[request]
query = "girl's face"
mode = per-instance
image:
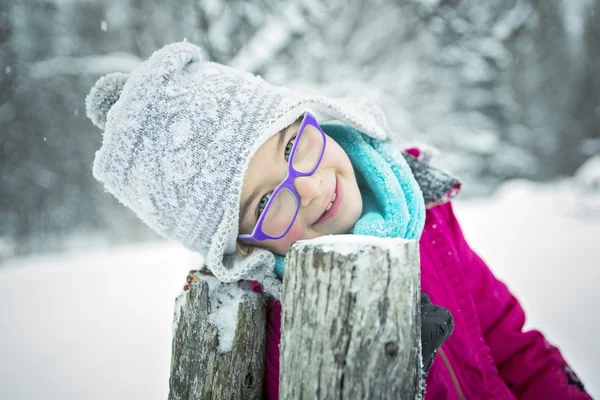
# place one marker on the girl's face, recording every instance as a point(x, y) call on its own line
point(268, 168)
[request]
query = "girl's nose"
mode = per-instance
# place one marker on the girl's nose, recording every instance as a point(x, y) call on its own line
point(308, 188)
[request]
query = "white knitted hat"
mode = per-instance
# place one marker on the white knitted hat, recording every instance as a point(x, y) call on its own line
point(178, 135)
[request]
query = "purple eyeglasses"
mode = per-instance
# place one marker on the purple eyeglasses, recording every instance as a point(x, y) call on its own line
point(281, 210)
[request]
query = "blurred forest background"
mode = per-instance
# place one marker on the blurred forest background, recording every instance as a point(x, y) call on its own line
point(504, 88)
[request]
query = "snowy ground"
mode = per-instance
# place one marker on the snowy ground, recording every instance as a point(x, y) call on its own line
point(97, 324)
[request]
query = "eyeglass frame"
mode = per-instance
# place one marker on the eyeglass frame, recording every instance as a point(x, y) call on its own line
point(257, 234)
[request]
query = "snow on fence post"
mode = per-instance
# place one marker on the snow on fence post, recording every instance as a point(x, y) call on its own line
point(218, 353)
point(351, 320)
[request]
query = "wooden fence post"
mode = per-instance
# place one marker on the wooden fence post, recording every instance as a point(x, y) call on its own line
point(202, 371)
point(351, 320)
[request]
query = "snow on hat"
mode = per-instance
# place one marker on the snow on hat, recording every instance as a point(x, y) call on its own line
point(179, 133)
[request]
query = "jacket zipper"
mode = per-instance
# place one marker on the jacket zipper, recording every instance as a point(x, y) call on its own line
point(452, 374)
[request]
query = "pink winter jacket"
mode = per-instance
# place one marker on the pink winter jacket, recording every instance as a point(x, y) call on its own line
point(488, 356)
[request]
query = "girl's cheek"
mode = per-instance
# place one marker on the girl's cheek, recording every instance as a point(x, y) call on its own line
point(282, 245)
point(296, 233)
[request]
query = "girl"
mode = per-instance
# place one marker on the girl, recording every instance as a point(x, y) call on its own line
point(238, 169)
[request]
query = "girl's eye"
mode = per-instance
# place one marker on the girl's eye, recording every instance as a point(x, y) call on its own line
point(265, 199)
point(262, 204)
point(289, 147)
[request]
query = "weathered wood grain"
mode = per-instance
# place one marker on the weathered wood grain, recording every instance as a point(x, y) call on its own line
point(199, 370)
point(351, 320)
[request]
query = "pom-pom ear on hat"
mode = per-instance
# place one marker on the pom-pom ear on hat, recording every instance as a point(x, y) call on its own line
point(172, 59)
point(103, 95)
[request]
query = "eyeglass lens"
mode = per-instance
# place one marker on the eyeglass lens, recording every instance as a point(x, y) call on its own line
point(283, 207)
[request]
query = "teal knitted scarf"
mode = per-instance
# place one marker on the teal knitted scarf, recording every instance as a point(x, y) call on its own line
point(393, 204)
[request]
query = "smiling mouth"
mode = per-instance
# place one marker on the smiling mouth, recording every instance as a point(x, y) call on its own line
point(332, 200)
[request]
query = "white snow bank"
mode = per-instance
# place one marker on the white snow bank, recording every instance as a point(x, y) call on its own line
point(90, 325)
point(584, 198)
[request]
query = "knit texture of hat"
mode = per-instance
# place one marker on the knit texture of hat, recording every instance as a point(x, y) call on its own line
point(179, 133)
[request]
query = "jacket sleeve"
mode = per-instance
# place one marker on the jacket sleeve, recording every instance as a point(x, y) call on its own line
point(530, 366)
